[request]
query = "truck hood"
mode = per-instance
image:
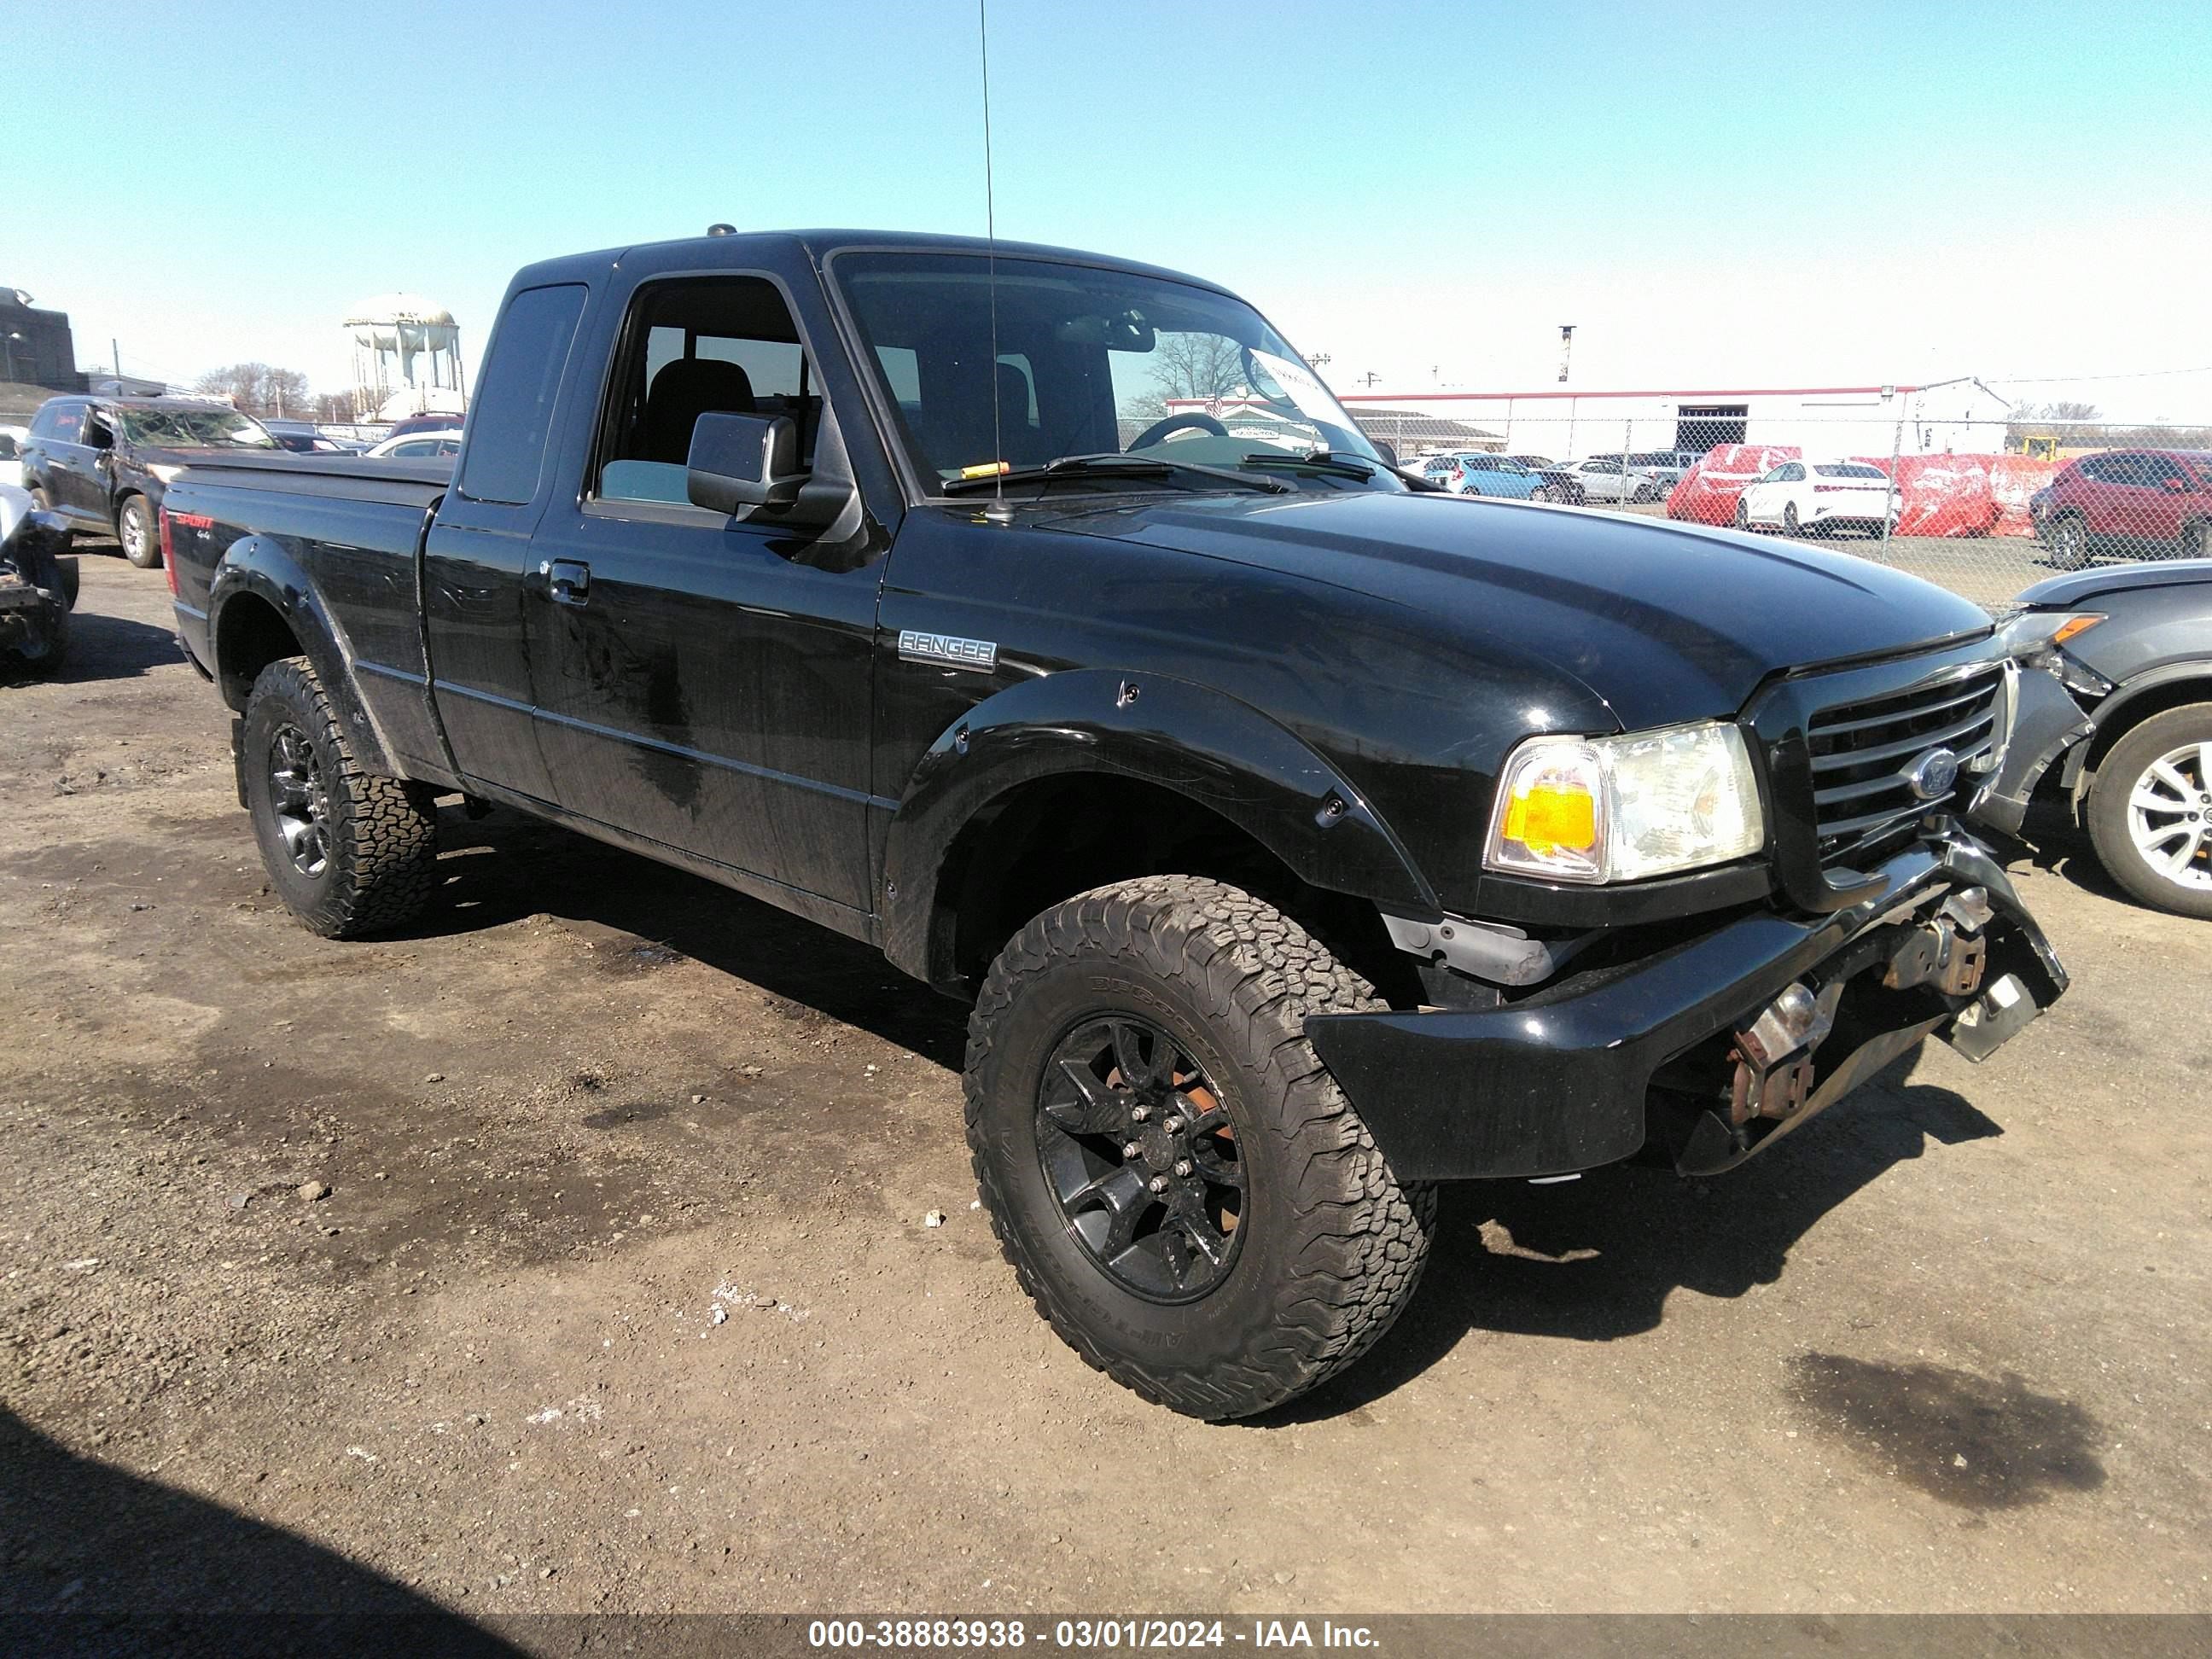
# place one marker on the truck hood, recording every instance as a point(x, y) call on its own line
point(1663, 622)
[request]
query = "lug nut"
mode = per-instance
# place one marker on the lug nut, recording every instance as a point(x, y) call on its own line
point(1182, 1166)
point(1176, 1126)
point(1132, 1149)
point(1142, 1114)
point(1159, 1183)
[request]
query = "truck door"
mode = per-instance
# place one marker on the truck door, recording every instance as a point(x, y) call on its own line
point(478, 546)
point(699, 684)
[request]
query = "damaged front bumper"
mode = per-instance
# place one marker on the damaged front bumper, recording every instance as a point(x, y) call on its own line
point(1719, 1045)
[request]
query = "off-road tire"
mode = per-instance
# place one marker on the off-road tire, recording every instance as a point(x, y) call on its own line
point(2117, 776)
point(139, 532)
point(382, 841)
point(1336, 1243)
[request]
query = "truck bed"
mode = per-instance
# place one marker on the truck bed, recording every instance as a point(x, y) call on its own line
point(343, 530)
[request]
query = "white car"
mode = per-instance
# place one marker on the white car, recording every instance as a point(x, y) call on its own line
point(1815, 497)
point(419, 447)
point(1603, 480)
point(11, 454)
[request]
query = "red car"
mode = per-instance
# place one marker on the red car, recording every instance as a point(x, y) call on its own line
point(2134, 504)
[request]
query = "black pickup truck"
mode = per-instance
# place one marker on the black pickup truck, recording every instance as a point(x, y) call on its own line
point(1301, 839)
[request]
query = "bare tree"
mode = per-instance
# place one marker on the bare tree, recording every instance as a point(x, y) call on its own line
point(1189, 366)
point(334, 408)
point(260, 388)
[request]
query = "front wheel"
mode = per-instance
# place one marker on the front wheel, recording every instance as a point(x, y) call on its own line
point(136, 530)
point(1179, 1186)
point(348, 852)
point(2151, 811)
point(1742, 514)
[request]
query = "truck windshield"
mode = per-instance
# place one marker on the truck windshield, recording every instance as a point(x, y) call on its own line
point(195, 429)
point(1089, 362)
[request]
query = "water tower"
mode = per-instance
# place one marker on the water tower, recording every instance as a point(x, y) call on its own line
point(406, 358)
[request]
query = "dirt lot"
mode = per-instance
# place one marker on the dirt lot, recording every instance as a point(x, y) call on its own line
point(621, 1295)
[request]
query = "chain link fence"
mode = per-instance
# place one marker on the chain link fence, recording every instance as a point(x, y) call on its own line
point(1983, 487)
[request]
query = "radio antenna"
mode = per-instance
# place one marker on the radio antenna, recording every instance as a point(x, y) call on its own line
point(998, 512)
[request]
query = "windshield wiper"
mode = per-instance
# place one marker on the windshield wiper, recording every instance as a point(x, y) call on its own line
point(1319, 460)
point(1113, 465)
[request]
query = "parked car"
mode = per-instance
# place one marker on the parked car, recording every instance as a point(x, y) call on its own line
point(2134, 504)
point(418, 445)
point(436, 421)
point(1602, 479)
point(1483, 474)
point(1559, 482)
point(37, 586)
point(1667, 465)
point(1299, 839)
point(11, 454)
point(1816, 497)
point(2112, 721)
point(103, 464)
point(301, 438)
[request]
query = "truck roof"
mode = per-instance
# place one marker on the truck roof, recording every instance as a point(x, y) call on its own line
point(748, 248)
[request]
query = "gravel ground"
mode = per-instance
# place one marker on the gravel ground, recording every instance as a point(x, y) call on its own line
point(620, 1295)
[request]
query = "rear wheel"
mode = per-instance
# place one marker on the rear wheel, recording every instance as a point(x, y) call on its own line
point(2069, 542)
point(1788, 517)
point(1179, 1186)
point(2151, 811)
point(350, 853)
point(1646, 493)
point(1539, 494)
point(136, 530)
point(2197, 540)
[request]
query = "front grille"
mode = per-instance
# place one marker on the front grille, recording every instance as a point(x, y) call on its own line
point(1864, 753)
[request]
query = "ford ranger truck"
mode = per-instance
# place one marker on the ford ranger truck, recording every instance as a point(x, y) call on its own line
point(1301, 837)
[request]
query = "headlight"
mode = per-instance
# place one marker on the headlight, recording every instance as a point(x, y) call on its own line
point(1622, 809)
point(166, 472)
point(2034, 637)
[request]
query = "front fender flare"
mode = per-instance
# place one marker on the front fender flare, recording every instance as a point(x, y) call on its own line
point(1218, 752)
point(262, 567)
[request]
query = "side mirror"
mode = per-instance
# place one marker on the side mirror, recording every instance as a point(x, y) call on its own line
point(738, 461)
point(2175, 486)
point(1387, 451)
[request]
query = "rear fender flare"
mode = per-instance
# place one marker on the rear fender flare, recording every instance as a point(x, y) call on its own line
point(260, 566)
point(1201, 743)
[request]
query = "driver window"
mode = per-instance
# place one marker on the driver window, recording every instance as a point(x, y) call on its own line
point(97, 433)
point(719, 344)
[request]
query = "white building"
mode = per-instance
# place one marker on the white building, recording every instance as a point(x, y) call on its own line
point(1961, 417)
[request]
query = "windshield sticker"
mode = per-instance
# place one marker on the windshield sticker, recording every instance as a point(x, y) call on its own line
point(1302, 386)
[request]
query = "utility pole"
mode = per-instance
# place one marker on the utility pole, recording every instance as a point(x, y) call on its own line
point(1567, 349)
point(1369, 378)
point(116, 351)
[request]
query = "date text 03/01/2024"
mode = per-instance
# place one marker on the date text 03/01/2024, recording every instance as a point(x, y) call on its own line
point(1084, 1634)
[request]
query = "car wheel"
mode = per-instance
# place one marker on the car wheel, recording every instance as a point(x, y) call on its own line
point(2151, 811)
point(2196, 541)
point(2069, 542)
point(350, 853)
point(1539, 494)
point(1742, 514)
point(1788, 517)
point(135, 528)
point(1181, 1189)
point(1645, 493)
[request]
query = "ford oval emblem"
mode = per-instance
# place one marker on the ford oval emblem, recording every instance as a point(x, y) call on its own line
point(1935, 776)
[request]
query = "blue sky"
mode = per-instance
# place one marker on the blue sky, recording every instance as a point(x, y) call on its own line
point(1714, 194)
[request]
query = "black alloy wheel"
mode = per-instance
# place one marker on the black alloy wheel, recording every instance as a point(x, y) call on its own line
point(1139, 1152)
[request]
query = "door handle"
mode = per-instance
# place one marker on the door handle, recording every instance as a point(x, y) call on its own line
point(567, 581)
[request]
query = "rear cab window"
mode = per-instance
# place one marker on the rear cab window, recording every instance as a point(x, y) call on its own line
point(515, 394)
